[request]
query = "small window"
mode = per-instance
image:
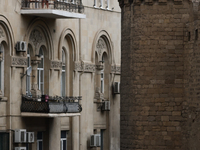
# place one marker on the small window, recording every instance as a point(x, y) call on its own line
point(102, 131)
point(39, 141)
point(189, 36)
point(95, 3)
point(196, 34)
point(106, 4)
point(63, 140)
point(100, 3)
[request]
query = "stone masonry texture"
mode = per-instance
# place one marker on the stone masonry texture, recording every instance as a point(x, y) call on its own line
point(160, 79)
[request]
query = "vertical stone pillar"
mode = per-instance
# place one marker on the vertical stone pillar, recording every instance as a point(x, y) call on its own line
point(75, 133)
point(98, 94)
point(34, 86)
point(54, 133)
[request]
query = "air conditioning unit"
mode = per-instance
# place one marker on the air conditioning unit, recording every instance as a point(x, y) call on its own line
point(95, 140)
point(105, 106)
point(116, 87)
point(20, 136)
point(21, 46)
point(30, 137)
point(20, 148)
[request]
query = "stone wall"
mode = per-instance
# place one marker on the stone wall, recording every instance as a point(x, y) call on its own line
point(160, 75)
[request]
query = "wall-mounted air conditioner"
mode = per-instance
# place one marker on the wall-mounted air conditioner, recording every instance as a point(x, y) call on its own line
point(30, 137)
point(105, 106)
point(95, 140)
point(20, 136)
point(21, 46)
point(20, 148)
point(116, 87)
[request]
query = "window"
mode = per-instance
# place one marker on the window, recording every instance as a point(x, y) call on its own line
point(4, 141)
point(28, 78)
point(196, 34)
point(189, 36)
point(106, 4)
point(102, 77)
point(40, 74)
point(63, 140)
point(101, 3)
point(102, 131)
point(63, 76)
point(39, 141)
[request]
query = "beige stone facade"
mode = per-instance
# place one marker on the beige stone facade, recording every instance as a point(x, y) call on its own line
point(64, 49)
point(160, 75)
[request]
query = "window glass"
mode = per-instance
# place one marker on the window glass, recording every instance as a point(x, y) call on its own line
point(63, 76)
point(39, 141)
point(4, 141)
point(102, 78)
point(63, 140)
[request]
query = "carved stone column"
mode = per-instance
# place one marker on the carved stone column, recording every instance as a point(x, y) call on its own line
point(98, 94)
point(34, 86)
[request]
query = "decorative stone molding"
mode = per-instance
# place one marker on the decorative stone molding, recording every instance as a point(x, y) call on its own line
point(19, 61)
point(99, 67)
point(101, 45)
point(116, 69)
point(36, 37)
point(56, 64)
point(2, 34)
point(89, 67)
point(84, 67)
point(98, 95)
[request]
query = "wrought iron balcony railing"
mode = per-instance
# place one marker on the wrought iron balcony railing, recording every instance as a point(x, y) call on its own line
point(71, 6)
point(51, 105)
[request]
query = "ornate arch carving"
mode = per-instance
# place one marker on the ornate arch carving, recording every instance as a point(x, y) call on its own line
point(38, 34)
point(102, 43)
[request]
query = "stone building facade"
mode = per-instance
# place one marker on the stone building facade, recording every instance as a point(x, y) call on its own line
point(58, 63)
point(160, 75)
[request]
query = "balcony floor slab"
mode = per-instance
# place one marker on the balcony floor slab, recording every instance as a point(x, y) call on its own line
point(52, 13)
point(49, 115)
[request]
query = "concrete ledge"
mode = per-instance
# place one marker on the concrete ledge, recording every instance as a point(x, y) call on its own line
point(49, 115)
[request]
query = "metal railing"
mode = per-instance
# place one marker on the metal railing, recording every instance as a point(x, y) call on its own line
point(66, 5)
point(54, 104)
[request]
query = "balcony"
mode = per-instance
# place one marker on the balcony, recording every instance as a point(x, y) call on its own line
point(50, 107)
point(53, 8)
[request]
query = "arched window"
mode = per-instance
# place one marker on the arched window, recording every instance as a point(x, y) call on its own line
point(1, 69)
point(40, 73)
point(63, 76)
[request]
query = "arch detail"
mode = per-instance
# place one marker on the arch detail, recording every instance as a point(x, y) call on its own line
point(69, 36)
point(102, 44)
point(37, 35)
